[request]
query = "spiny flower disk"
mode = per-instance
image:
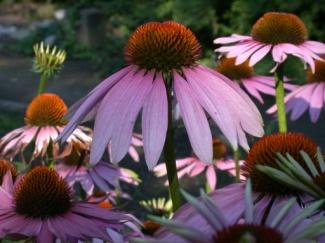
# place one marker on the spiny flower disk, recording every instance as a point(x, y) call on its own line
point(263, 152)
point(162, 46)
point(6, 166)
point(319, 75)
point(248, 233)
point(219, 149)
point(46, 110)
point(42, 193)
point(227, 67)
point(276, 28)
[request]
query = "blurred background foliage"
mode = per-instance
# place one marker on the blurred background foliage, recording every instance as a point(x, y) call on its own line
point(108, 24)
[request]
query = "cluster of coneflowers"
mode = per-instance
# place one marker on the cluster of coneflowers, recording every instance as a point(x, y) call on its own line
point(60, 180)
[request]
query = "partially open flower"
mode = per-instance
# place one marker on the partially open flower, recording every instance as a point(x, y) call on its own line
point(192, 166)
point(161, 57)
point(205, 221)
point(310, 96)
point(158, 206)
point(244, 75)
point(282, 34)
point(48, 61)
point(40, 205)
point(43, 123)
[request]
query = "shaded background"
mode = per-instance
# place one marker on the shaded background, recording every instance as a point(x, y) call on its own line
point(94, 34)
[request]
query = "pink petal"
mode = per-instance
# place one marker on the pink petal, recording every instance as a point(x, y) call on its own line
point(126, 115)
point(194, 119)
point(250, 87)
point(316, 102)
point(134, 153)
point(86, 104)
point(257, 56)
point(315, 46)
point(211, 177)
point(104, 122)
point(231, 39)
point(245, 55)
point(154, 122)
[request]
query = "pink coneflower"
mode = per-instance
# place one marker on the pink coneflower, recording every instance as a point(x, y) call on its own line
point(282, 34)
point(43, 121)
point(159, 56)
point(76, 168)
point(244, 75)
point(192, 166)
point(310, 95)
point(40, 205)
point(267, 193)
point(284, 224)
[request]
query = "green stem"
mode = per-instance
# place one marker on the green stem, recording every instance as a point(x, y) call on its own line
point(237, 165)
point(42, 83)
point(279, 99)
point(169, 155)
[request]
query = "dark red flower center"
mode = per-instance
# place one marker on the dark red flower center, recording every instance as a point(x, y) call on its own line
point(248, 233)
point(263, 152)
point(319, 75)
point(219, 149)
point(6, 166)
point(46, 110)
point(276, 28)
point(162, 46)
point(42, 193)
point(227, 67)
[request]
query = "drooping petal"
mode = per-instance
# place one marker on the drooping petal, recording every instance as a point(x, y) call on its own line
point(316, 102)
point(86, 104)
point(154, 122)
point(105, 120)
point(128, 110)
point(194, 119)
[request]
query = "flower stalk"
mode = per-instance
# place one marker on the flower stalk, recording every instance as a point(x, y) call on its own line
point(169, 154)
point(279, 99)
point(237, 165)
point(42, 83)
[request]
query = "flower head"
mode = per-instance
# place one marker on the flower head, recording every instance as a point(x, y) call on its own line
point(264, 152)
point(43, 123)
point(283, 224)
point(310, 95)
point(162, 57)
point(276, 28)
point(162, 46)
point(48, 60)
point(41, 205)
point(282, 34)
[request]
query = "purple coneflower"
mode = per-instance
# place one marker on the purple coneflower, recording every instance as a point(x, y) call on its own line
point(40, 206)
point(244, 75)
point(310, 95)
point(267, 193)
point(43, 121)
point(284, 224)
point(164, 56)
point(76, 168)
point(192, 166)
point(282, 34)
